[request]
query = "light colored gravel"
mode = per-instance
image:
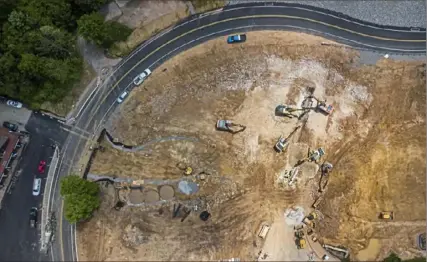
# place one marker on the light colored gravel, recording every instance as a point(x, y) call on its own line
point(395, 13)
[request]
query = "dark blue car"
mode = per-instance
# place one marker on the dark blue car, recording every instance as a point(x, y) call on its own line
point(236, 39)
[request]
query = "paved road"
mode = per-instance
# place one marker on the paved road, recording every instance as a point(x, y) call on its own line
point(201, 28)
point(19, 242)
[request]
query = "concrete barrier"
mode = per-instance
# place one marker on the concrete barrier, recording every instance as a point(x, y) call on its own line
point(45, 238)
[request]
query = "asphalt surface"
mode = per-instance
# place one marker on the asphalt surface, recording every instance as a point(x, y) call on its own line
point(19, 242)
point(198, 29)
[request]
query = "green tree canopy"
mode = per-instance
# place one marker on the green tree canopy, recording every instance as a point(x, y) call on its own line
point(76, 185)
point(81, 198)
point(87, 6)
point(103, 34)
point(48, 12)
point(79, 207)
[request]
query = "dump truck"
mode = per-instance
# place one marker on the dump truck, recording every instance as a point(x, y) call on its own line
point(229, 126)
point(263, 231)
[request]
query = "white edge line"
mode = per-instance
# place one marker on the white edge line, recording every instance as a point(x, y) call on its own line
point(214, 12)
point(255, 26)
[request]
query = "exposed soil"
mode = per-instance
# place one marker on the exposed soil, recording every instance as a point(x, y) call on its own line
point(375, 138)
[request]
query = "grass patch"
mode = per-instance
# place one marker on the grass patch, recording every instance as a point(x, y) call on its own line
point(201, 6)
point(66, 104)
point(144, 32)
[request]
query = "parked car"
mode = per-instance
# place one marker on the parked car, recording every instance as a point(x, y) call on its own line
point(36, 186)
point(14, 103)
point(141, 77)
point(33, 217)
point(41, 167)
point(10, 126)
point(122, 97)
point(236, 39)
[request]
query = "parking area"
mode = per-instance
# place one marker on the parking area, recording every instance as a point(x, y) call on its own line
point(13, 115)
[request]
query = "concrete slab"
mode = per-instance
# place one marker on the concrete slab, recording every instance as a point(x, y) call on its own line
point(14, 115)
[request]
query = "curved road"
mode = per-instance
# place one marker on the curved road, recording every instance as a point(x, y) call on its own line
point(201, 28)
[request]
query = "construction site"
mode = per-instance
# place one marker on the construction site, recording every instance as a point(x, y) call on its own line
point(288, 147)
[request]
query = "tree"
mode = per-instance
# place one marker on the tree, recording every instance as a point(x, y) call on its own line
point(48, 12)
point(80, 198)
point(76, 185)
point(103, 34)
point(91, 27)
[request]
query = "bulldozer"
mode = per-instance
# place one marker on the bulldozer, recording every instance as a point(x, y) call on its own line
point(229, 126)
point(308, 220)
point(282, 143)
point(288, 111)
point(387, 215)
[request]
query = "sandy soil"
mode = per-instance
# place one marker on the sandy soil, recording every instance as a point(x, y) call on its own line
point(379, 109)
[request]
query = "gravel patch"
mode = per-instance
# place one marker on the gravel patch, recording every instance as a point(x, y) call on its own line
point(394, 13)
point(371, 57)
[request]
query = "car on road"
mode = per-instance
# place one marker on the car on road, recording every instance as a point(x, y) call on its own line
point(14, 104)
point(236, 39)
point(33, 217)
point(122, 97)
point(36, 186)
point(141, 77)
point(41, 167)
point(10, 126)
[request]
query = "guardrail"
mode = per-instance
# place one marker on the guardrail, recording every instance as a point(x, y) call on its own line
point(46, 201)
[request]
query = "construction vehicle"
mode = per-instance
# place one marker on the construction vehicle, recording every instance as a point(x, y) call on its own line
point(322, 106)
point(326, 168)
point(422, 241)
point(387, 215)
point(313, 156)
point(299, 237)
point(283, 143)
point(312, 215)
point(187, 169)
point(317, 201)
point(263, 231)
point(229, 126)
point(308, 220)
point(288, 111)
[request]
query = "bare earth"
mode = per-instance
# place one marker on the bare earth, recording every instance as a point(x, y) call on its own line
point(375, 138)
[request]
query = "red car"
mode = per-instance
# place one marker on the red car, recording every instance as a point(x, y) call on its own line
point(42, 166)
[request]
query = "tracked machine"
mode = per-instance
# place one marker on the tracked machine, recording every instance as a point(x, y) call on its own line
point(283, 142)
point(229, 126)
point(290, 111)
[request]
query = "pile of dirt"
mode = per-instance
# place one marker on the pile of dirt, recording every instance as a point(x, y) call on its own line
point(374, 138)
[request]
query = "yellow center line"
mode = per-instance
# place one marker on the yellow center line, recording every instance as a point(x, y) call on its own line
point(247, 17)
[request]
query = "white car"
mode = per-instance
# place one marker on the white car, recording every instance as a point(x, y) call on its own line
point(122, 97)
point(14, 104)
point(141, 77)
point(36, 186)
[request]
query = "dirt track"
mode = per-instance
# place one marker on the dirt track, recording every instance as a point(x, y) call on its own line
point(376, 148)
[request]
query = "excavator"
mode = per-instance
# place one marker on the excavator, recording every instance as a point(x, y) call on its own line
point(313, 156)
point(325, 168)
point(229, 126)
point(288, 111)
point(282, 143)
point(321, 106)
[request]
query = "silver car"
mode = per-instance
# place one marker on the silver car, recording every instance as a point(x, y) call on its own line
point(122, 97)
point(36, 186)
point(141, 77)
point(14, 104)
